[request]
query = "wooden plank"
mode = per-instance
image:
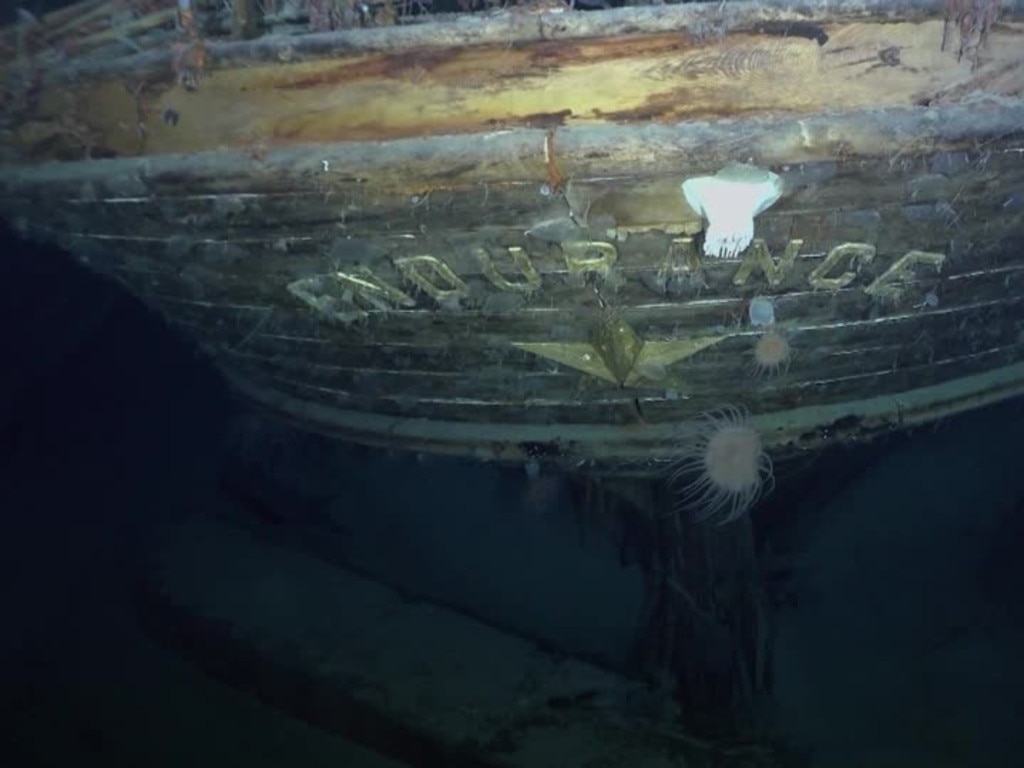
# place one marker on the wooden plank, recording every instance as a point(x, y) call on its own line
point(362, 174)
point(642, 448)
point(527, 402)
point(306, 218)
point(228, 231)
point(373, 95)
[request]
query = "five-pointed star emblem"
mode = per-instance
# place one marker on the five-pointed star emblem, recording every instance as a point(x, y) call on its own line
point(617, 354)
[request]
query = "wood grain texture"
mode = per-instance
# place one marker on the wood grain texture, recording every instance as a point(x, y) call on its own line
point(432, 91)
point(370, 236)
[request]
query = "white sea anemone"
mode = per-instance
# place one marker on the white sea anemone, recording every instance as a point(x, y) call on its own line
point(729, 201)
point(722, 468)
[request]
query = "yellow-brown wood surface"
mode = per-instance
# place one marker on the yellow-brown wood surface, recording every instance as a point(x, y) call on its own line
point(697, 72)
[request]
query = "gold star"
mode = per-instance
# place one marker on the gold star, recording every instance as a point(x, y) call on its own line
point(617, 354)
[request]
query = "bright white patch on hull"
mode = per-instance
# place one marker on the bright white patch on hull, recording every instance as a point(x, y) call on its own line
point(729, 201)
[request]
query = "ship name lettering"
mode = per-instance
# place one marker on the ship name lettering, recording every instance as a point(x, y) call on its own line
point(892, 283)
point(759, 257)
point(855, 255)
point(350, 295)
point(530, 281)
point(433, 276)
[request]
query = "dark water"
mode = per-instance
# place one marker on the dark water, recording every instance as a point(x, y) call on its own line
point(898, 643)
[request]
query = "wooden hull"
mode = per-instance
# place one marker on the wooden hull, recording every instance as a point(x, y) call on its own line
point(471, 238)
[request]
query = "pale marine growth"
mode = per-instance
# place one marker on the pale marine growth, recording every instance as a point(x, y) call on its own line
point(772, 352)
point(930, 300)
point(722, 468)
point(761, 311)
point(729, 201)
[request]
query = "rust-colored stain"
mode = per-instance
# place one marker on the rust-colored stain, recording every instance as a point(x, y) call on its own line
point(538, 120)
point(671, 106)
point(413, 62)
point(482, 65)
point(660, 107)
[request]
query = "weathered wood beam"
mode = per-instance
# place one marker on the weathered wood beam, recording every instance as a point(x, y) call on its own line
point(661, 78)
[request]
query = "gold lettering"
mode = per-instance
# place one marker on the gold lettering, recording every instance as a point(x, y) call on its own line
point(348, 296)
point(758, 256)
point(521, 260)
point(586, 256)
point(681, 259)
point(433, 277)
point(892, 283)
point(856, 255)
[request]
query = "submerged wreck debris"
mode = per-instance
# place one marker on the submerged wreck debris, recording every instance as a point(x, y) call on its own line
point(426, 285)
point(411, 210)
point(359, 210)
